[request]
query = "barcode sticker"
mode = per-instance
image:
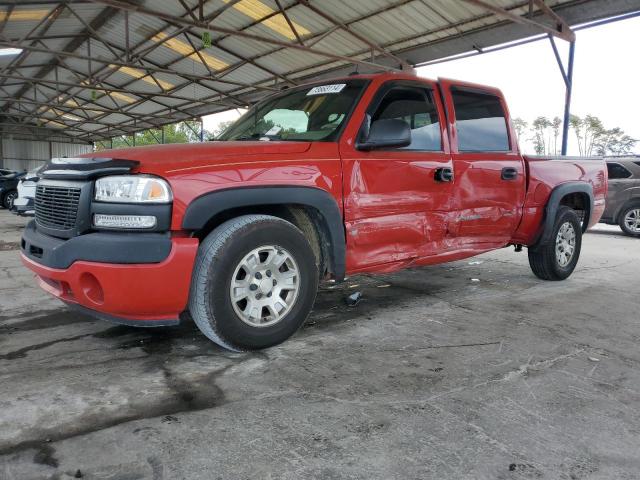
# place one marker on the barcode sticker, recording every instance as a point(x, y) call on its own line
point(324, 89)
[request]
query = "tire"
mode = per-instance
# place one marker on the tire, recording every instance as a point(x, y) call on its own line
point(629, 219)
point(551, 261)
point(230, 255)
point(8, 198)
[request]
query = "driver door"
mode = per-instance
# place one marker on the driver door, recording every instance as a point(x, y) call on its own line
point(395, 207)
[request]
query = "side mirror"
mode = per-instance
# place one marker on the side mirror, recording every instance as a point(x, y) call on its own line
point(387, 133)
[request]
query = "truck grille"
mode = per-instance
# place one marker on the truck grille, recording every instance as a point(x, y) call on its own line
point(56, 206)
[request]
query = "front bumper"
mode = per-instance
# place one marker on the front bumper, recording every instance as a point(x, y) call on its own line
point(23, 207)
point(145, 294)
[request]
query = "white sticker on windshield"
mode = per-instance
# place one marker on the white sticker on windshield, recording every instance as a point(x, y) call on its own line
point(273, 130)
point(324, 89)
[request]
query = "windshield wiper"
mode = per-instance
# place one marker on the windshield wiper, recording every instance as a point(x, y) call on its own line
point(256, 136)
point(244, 138)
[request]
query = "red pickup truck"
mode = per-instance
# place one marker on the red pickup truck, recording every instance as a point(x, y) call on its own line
point(368, 173)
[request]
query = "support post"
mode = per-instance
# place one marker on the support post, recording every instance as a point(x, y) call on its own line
point(567, 99)
point(162, 134)
point(201, 130)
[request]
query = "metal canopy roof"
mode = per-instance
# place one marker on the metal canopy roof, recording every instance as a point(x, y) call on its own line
point(96, 69)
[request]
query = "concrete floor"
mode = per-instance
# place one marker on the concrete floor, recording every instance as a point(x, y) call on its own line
point(433, 375)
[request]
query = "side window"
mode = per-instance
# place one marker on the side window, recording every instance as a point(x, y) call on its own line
point(617, 171)
point(415, 106)
point(480, 122)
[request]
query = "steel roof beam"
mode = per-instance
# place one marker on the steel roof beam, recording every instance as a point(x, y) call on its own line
point(185, 30)
point(21, 128)
point(559, 32)
point(100, 109)
point(104, 16)
point(149, 69)
point(283, 12)
point(46, 23)
point(561, 24)
point(89, 30)
point(147, 95)
point(403, 63)
point(123, 53)
point(235, 33)
point(26, 115)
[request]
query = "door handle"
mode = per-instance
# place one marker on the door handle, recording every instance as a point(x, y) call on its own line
point(444, 174)
point(509, 173)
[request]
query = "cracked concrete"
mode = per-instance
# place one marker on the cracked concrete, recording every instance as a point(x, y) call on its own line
point(430, 376)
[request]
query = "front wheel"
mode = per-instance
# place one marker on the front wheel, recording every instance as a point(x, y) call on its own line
point(254, 282)
point(630, 220)
point(9, 198)
point(557, 259)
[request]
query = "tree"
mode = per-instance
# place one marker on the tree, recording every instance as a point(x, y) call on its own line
point(221, 127)
point(556, 123)
point(540, 133)
point(181, 132)
point(520, 127)
point(594, 138)
point(587, 130)
point(614, 142)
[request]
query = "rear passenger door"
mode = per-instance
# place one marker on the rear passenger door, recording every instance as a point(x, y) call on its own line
point(489, 173)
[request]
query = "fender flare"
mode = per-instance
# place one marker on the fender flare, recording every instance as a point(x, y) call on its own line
point(201, 210)
point(554, 203)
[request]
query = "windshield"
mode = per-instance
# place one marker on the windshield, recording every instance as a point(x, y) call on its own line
point(312, 113)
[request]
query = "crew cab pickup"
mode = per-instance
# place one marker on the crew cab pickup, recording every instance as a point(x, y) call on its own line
point(368, 173)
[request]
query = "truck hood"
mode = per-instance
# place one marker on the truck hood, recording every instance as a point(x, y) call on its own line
point(162, 159)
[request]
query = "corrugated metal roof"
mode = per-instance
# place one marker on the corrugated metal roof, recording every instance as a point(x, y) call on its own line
point(150, 64)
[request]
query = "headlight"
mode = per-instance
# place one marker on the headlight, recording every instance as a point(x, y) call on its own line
point(132, 189)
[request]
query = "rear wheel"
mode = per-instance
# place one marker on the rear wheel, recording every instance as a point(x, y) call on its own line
point(254, 282)
point(630, 220)
point(557, 259)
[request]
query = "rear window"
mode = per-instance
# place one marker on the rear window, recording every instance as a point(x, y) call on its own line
point(617, 171)
point(480, 122)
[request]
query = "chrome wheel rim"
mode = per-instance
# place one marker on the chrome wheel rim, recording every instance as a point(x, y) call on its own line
point(265, 285)
point(11, 198)
point(565, 244)
point(632, 220)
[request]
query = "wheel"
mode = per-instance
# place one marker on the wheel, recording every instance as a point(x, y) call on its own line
point(558, 259)
point(8, 199)
point(254, 282)
point(629, 220)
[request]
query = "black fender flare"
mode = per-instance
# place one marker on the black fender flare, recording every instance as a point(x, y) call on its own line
point(201, 210)
point(557, 194)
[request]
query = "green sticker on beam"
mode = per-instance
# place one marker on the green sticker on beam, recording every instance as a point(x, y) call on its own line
point(206, 39)
point(94, 95)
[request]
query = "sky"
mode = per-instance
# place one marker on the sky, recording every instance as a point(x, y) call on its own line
point(606, 78)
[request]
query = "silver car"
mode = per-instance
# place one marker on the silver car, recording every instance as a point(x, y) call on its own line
point(23, 205)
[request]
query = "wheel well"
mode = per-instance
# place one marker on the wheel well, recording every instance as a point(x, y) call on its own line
point(308, 219)
point(579, 202)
